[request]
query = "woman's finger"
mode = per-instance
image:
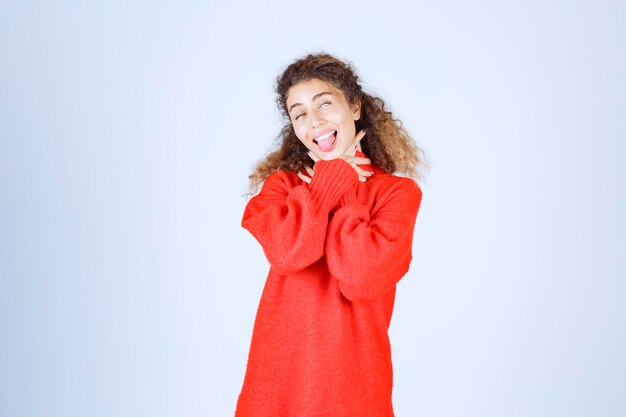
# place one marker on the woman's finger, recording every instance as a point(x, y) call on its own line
point(357, 160)
point(359, 136)
point(304, 178)
point(363, 172)
point(309, 170)
point(355, 143)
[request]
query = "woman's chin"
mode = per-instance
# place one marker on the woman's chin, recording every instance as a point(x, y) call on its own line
point(334, 154)
point(329, 156)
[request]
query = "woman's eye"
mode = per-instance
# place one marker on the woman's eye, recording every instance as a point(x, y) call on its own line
point(324, 104)
point(299, 116)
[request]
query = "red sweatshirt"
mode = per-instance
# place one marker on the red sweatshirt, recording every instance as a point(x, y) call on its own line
point(337, 247)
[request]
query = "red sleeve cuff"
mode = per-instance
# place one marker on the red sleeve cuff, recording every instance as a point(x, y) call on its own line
point(331, 180)
point(349, 197)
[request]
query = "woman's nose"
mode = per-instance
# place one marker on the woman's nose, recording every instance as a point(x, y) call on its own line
point(316, 119)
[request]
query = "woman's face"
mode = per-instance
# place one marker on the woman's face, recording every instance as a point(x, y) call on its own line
point(322, 118)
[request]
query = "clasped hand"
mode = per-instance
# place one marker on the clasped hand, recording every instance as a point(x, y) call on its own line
point(354, 161)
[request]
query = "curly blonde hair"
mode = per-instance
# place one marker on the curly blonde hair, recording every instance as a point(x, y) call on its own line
point(387, 144)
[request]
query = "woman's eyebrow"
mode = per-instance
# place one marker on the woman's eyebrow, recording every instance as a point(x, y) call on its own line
point(315, 97)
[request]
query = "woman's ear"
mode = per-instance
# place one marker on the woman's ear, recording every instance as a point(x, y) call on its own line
point(356, 110)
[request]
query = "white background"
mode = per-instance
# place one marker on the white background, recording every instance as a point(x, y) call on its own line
point(128, 288)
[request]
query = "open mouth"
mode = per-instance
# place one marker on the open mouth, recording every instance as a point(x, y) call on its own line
point(327, 141)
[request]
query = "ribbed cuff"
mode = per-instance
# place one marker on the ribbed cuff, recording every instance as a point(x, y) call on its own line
point(349, 197)
point(330, 181)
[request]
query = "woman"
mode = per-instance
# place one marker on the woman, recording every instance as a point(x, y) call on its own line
point(337, 229)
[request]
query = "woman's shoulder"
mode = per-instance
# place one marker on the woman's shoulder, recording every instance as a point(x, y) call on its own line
point(385, 180)
point(389, 190)
point(281, 179)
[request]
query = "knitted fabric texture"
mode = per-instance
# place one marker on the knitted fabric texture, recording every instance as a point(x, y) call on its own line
point(336, 248)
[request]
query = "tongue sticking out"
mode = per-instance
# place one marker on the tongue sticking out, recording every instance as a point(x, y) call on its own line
point(328, 143)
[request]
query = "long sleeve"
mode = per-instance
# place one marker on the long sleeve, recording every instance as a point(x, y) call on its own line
point(368, 251)
point(290, 219)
